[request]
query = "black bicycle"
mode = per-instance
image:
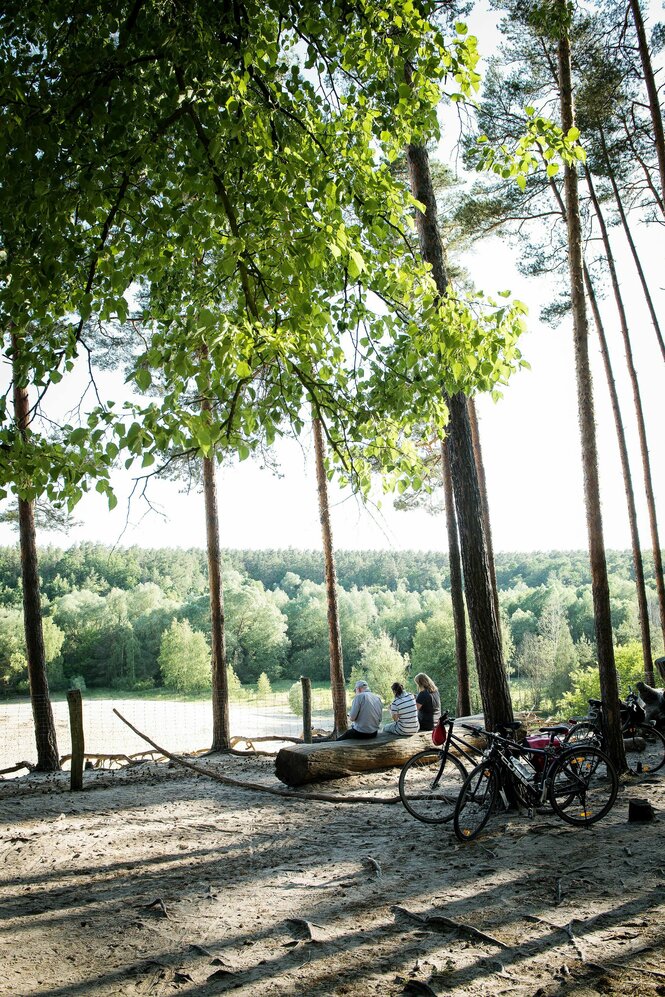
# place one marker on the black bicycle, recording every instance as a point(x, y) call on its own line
point(579, 782)
point(430, 782)
point(645, 746)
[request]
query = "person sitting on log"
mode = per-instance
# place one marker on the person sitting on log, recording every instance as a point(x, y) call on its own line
point(365, 713)
point(404, 712)
point(428, 702)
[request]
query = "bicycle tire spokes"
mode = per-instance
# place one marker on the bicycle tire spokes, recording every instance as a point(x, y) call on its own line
point(430, 784)
point(476, 802)
point(583, 786)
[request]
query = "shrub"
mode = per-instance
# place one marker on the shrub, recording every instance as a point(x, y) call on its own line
point(77, 682)
point(263, 687)
point(295, 699)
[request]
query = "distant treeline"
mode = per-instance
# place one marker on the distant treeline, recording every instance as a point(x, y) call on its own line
point(106, 611)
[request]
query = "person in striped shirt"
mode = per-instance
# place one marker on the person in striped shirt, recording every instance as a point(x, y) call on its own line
point(404, 712)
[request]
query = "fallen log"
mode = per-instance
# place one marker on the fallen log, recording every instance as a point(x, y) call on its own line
point(300, 764)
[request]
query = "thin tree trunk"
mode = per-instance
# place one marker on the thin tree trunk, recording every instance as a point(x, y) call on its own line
point(638, 567)
point(484, 622)
point(337, 685)
point(48, 759)
point(456, 588)
point(652, 91)
point(482, 483)
point(633, 247)
point(221, 726)
point(599, 580)
point(639, 412)
point(645, 169)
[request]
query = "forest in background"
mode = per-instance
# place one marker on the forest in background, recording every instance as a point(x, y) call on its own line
point(138, 619)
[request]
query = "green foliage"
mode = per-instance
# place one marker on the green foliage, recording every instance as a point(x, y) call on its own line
point(184, 658)
point(586, 681)
point(380, 665)
point(263, 687)
point(13, 654)
point(434, 653)
point(295, 699)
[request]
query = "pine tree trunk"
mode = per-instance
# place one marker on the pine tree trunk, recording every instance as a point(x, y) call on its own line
point(638, 567)
point(221, 726)
point(639, 412)
point(484, 622)
point(337, 684)
point(640, 159)
point(652, 91)
point(633, 247)
point(48, 759)
point(456, 588)
point(482, 483)
point(599, 580)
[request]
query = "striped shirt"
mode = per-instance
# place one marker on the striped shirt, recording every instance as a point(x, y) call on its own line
point(407, 711)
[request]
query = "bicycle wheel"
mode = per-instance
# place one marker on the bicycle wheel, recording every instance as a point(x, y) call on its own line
point(429, 785)
point(584, 732)
point(583, 785)
point(476, 801)
point(651, 758)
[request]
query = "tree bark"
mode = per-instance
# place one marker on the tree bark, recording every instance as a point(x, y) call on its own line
point(638, 567)
point(299, 764)
point(633, 247)
point(482, 483)
point(639, 412)
point(485, 630)
point(599, 580)
point(337, 685)
point(652, 91)
point(221, 726)
point(456, 588)
point(48, 759)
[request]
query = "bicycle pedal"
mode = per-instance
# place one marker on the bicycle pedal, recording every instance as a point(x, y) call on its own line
point(531, 813)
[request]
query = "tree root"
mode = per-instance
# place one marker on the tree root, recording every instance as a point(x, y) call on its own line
point(255, 786)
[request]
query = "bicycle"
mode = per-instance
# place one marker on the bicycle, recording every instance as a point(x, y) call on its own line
point(634, 727)
point(580, 783)
point(431, 780)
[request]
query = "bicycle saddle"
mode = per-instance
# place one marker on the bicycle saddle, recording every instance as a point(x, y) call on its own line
point(513, 725)
point(595, 702)
point(556, 729)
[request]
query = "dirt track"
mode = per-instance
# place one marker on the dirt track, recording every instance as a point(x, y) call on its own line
point(160, 883)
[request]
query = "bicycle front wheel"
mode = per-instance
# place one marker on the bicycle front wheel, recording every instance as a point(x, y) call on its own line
point(583, 785)
point(429, 785)
point(476, 801)
point(649, 758)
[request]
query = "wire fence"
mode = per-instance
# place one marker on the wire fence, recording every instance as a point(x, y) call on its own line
point(176, 725)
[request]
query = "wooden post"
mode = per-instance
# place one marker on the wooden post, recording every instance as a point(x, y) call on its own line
point(306, 709)
point(75, 704)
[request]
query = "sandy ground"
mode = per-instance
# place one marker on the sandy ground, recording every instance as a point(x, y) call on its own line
point(154, 881)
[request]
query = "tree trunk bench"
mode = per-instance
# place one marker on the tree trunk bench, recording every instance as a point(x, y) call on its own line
point(299, 764)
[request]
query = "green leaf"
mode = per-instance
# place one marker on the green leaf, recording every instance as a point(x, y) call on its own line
point(143, 378)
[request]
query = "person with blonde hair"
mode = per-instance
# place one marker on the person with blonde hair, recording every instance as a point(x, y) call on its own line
point(428, 702)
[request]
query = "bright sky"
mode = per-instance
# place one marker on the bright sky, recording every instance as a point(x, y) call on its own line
point(530, 444)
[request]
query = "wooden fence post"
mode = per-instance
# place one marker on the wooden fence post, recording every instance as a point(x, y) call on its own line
point(306, 709)
point(75, 704)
